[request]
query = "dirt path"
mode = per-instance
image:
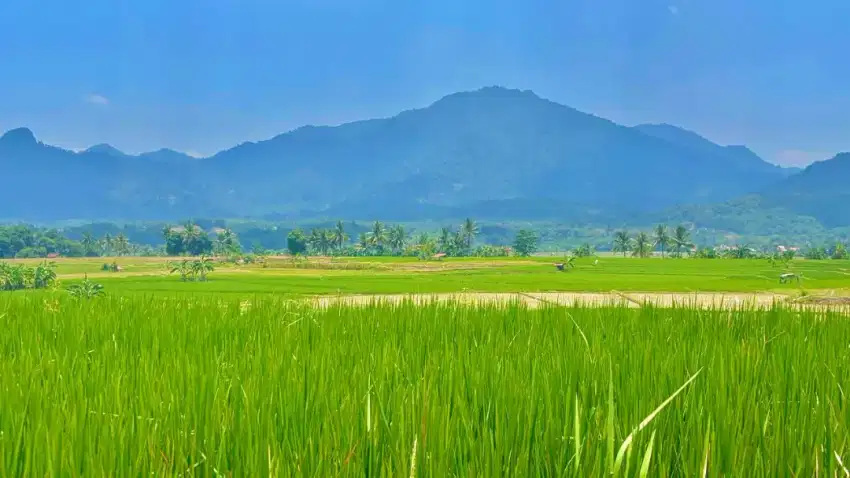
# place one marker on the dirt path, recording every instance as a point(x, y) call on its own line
point(626, 299)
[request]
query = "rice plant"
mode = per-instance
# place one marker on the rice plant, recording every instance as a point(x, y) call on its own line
point(146, 385)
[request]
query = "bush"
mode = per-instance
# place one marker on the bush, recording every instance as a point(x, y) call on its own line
point(86, 289)
point(20, 276)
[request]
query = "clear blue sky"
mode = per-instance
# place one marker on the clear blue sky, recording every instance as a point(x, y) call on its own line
point(200, 76)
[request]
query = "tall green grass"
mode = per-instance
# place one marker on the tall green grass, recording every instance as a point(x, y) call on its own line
point(134, 386)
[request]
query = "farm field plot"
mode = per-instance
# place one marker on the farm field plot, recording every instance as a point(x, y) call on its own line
point(205, 386)
point(323, 276)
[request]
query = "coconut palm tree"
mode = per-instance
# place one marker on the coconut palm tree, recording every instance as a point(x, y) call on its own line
point(662, 237)
point(325, 241)
point(121, 244)
point(363, 241)
point(681, 240)
point(839, 251)
point(622, 242)
point(444, 241)
point(378, 235)
point(339, 236)
point(469, 230)
point(106, 244)
point(643, 245)
point(89, 244)
point(397, 238)
point(458, 243)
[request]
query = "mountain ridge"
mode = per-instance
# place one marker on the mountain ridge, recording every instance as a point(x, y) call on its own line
point(493, 150)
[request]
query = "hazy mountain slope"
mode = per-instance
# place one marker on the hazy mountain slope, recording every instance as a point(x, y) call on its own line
point(822, 191)
point(489, 152)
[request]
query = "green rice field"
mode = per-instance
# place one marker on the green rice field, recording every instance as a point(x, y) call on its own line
point(133, 385)
point(387, 275)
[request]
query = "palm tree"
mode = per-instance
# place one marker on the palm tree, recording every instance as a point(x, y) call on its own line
point(315, 240)
point(839, 251)
point(397, 238)
point(445, 239)
point(643, 246)
point(622, 242)
point(363, 241)
point(191, 237)
point(681, 239)
point(89, 243)
point(339, 236)
point(662, 237)
point(469, 230)
point(227, 243)
point(122, 244)
point(378, 235)
point(458, 243)
point(325, 241)
point(106, 244)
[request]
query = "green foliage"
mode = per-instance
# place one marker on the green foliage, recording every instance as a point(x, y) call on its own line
point(86, 289)
point(227, 243)
point(584, 250)
point(662, 238)
point(681, 241)
point(816, 253)
point(839, 252)
point(622, 242)
point(192, 270)
point(296, 242)
point(110, 267)
point(20, 276)
point(525, 243)
point(188, 239)
point(741, 251)
point(233, 387)
point(642, 245)
point(28, 242)
point(706, 253)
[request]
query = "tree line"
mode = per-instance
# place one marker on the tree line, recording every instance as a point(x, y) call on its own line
point(380, 239)
point(395, 240)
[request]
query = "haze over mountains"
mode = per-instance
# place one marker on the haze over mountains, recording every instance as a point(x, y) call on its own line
point(492, 153)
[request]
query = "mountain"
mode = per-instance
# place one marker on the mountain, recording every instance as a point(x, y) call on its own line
point(48, 183)
point(493, 152)
point(822, 191)
point(166, 155)
point(734, 156)
point(106, 149)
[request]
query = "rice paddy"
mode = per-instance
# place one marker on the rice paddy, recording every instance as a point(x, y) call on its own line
point(208, 387)
point(281, 371)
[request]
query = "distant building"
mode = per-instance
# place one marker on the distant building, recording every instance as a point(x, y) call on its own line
point(53, 255)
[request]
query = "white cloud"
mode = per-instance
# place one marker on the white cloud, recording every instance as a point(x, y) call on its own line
point(673, 9)
point(195, 154)
point(96, 99)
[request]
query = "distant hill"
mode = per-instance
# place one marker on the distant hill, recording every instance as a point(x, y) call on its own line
point(734, 156)
point(822, 191)
point(493, 152)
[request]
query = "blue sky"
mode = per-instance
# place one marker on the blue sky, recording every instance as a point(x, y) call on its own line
point(200, 76)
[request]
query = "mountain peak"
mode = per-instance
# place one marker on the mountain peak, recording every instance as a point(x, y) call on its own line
point(165, 154)
point(19, 137)
point(490, 92)
point(104, 148)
